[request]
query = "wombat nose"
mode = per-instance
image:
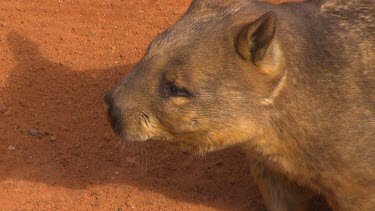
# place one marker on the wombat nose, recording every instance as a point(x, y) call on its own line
point(113, 114)
point(108, 98)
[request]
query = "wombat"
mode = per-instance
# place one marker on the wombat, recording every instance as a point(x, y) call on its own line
point(293, 84)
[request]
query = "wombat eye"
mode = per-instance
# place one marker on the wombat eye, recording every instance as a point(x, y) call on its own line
point(173, 90)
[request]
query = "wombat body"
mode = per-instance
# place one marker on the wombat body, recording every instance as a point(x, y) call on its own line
point(294, 84)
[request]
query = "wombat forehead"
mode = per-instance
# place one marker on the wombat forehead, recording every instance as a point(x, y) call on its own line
point(205, 21)
point(224, 6)
point(186, 36)
point(176, 42)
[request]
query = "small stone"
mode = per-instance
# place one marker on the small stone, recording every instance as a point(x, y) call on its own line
point(53, 138)
point(33, 132)
point(8, 112)
point(117, 172)
point(12, 147)
point(129, 204)
point(131, 160)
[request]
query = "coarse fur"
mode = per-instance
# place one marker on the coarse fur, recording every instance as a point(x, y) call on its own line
point(294, 84)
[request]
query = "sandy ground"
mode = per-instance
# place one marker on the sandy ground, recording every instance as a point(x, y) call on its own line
point(57, 152)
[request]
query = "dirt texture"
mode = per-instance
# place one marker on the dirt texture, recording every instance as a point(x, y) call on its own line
point(57, 151)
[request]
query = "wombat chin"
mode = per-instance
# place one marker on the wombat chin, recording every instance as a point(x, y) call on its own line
point(127, 138)
point(201, 143)
point(197, 144)
point(195, 149)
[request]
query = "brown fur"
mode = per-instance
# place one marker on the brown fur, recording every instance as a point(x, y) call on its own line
point(297, 92)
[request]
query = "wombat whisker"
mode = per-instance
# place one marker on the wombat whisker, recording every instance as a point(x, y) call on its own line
point(146, 157)
point(118, 142)
point(142, 157)
point(122, 146)
point(136, 150)
point(133, 149)
point(130, 147)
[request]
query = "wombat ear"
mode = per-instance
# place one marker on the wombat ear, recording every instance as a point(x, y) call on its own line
point(255, 38)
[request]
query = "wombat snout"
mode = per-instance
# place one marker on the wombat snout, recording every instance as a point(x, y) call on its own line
point(113, 114)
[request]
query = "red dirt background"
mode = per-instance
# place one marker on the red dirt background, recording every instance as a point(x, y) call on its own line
point(57, 59)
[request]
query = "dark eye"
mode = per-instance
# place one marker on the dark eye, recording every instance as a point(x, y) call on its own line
point(173, 90)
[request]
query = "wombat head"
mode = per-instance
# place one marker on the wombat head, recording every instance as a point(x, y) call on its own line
point(203, 84)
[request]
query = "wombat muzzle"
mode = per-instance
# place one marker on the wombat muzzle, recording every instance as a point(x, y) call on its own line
point(113, 114)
